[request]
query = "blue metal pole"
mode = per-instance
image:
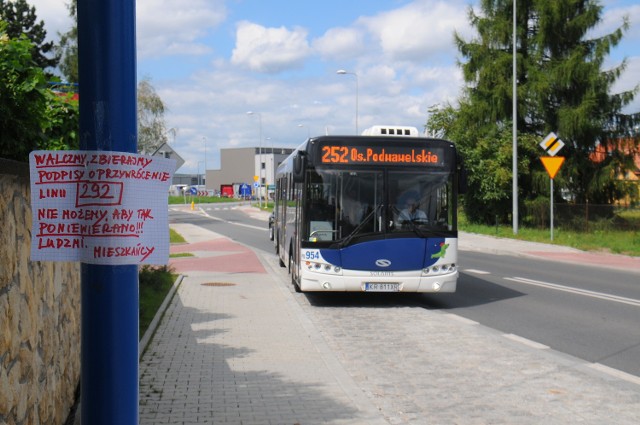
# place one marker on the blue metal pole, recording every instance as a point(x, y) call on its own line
point(107, 73)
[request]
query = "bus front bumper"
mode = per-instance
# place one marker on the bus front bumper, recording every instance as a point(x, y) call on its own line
point(397, 282)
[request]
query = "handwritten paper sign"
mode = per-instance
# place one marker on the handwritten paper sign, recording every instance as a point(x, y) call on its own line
point(100, 207)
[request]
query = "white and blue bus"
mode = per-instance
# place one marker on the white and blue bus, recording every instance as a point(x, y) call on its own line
point(372, 213)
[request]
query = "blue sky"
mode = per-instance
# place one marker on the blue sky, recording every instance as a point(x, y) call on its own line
point(211, 61)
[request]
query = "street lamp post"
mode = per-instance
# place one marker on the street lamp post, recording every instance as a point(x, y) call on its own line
point(259, 158)
point(515, 130)
point(199, 175)
point(270, 173)
point(204, 180)
point(308, 131)
point(343, 72)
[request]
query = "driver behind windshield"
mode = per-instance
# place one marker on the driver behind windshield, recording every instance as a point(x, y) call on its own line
point(411, 212)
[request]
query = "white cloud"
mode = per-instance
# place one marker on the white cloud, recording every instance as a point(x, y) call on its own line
point(171, 27)
point(269, 50)
point(340, 43)
point(419, 29)
point(628, 81)
point(613, 18)
point(163, 27)
point(404, 57)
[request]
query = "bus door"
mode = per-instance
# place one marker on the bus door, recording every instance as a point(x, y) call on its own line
point(296, 224)
point(320, 208)
point(342, 203)
point(280, 214)
point(360, 195)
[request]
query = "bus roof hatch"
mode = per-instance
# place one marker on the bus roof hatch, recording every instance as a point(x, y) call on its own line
point(391, 130)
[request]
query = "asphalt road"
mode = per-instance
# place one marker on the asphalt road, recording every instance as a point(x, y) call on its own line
point(587, 312)
point(225, 219)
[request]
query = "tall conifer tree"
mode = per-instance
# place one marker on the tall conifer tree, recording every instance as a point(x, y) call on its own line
point(561, 87)
point(21, 19)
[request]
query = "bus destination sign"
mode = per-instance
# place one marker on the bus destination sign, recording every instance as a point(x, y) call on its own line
point(387, 155)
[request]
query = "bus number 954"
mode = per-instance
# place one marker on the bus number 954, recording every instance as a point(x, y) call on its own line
point(312, 255)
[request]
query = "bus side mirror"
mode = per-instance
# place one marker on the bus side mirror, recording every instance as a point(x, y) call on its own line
point(298, 168)
point(462, 181)
point(463, 184)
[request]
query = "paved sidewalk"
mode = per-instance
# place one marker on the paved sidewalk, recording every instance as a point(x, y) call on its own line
point(236, 346)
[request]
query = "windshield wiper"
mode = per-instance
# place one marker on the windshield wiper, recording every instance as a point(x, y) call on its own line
point(412, 225)
point(364, 221)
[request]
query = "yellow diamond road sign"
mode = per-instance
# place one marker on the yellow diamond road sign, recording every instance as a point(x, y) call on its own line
point(552, 144)
point(552, 164)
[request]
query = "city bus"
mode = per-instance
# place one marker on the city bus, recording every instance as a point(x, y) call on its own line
point(370, 213)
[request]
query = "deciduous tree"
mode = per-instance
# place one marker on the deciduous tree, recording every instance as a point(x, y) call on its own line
point(152, 131)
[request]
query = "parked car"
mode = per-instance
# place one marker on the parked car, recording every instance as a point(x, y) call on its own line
point(176, 189)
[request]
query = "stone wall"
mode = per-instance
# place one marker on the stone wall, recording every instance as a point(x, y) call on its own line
point(39, 316)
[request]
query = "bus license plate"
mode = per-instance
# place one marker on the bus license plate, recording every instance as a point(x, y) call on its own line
point(382, 287)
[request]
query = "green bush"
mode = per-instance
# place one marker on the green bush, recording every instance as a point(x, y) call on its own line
point(155, 283)
point(31, 115)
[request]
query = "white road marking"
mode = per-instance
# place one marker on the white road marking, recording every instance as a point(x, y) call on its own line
point(585, 292)
point(476, 271)
point(233, 223)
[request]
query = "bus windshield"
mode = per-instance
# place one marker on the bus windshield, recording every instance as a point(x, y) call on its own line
point(421, 201)
point(343, 204)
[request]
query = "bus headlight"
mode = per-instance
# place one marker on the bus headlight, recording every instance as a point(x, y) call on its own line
point(440, 269)
point(323, 268)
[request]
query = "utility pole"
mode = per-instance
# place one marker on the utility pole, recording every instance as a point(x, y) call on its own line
point(515, 129)
point(110, 304)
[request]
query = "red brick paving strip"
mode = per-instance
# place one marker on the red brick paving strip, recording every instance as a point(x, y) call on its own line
point(605, 259)
point(232, 257)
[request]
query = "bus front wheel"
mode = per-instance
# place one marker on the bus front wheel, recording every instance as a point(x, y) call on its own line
point(293, 277)
point(280, 261)
point(295, 284)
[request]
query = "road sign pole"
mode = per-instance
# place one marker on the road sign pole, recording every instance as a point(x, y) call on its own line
point(551, 214)
point(552, 164)
point(109, 335)
point(552, 145)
